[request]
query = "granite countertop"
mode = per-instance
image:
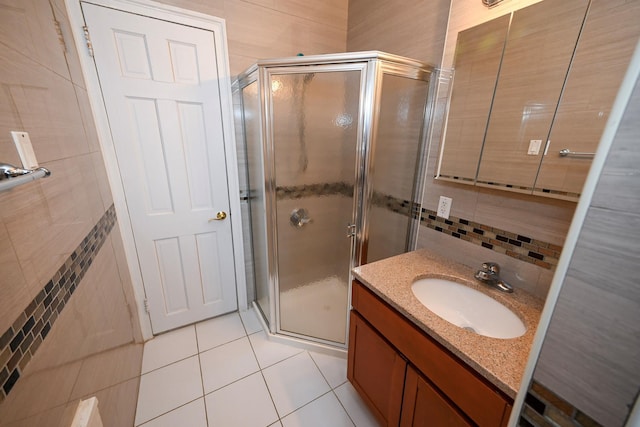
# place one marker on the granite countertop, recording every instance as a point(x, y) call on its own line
point(501, 361)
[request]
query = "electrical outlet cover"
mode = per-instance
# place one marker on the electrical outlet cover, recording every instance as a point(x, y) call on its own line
point(444, 207)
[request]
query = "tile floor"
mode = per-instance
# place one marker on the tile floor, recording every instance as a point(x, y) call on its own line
point(224, 372)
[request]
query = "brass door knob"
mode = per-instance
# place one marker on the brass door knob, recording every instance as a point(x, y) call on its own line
point(219, 216)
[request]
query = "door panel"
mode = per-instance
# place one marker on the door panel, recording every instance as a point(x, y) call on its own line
point(160, 86)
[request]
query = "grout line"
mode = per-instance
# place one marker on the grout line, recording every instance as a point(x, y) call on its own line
point(165, 413)
point(204, 401)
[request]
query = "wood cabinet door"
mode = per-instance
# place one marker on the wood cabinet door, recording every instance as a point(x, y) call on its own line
point(376, 371)
point(423, 405)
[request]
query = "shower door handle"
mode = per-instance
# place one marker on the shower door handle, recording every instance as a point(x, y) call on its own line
point(351, 230)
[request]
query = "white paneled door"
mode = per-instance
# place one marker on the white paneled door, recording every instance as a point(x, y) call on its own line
point(160, 86)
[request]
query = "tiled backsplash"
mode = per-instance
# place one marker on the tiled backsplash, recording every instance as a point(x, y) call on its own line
point(19, 343)
point(524, 248)
point(543, 408)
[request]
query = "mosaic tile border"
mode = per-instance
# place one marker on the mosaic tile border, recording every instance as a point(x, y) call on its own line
point(515, 245)
point(518, 188)
point(523, 248)
point(19, 343)
point(543, 408)
point(311, 190)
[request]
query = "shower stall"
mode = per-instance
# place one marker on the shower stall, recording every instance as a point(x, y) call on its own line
point(331, 153)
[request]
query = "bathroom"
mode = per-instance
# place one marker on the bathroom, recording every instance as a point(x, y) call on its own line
point(97, 330)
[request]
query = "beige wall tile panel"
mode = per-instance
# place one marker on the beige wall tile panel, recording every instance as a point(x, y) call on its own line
point(95, 319)
point(115, 240)
point(70, 51)
point(39, 391)
point(415, 29)
point(332, 13)
point(56, 133)
point(107, 369)
point(28, 28)
point(13, 285)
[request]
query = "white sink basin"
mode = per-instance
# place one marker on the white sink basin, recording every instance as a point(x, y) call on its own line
point(467, 308)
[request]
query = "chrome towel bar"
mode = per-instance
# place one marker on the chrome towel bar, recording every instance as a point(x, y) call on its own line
point(11, 176)
point(565, 152)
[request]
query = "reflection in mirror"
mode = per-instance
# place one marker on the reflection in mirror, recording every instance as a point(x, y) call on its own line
point(537, 55)
point(477, 62)
point(601, 59)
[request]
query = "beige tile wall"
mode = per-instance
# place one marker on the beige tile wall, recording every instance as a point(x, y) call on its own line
point(92, 344)
point(260, 29)
point(415, 29)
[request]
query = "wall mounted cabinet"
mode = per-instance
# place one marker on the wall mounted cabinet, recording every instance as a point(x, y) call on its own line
point(554, 84)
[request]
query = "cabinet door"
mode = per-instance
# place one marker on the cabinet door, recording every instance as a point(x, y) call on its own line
point(537, 55)
point(376, 371)
point(607, 41)
point(423, 405)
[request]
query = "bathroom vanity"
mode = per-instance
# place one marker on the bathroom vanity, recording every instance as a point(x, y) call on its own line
point(412, 367)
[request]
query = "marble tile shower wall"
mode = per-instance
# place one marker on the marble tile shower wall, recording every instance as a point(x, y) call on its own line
point(44, 224)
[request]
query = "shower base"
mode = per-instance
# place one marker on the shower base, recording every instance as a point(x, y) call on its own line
point(317, 310)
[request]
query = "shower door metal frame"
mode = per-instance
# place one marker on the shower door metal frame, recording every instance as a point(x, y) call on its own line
point(407, 69)
point(373, 65)
point(270, 181)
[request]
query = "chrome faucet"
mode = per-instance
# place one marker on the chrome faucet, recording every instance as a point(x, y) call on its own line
point(490, 275)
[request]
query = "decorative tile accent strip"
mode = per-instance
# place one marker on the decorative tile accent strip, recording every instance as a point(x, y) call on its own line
point(543, 408)
point(524, 248)
point(515, 245)
point(19, 343)
point(519, 188)
point(310, 190)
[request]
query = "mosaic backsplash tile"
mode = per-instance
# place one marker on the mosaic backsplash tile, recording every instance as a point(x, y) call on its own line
point(517, 246)
point(20, 342)
point(524, 248)
point(543, 408)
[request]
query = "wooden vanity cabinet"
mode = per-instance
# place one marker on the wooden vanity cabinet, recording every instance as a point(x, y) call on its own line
point(408, 379)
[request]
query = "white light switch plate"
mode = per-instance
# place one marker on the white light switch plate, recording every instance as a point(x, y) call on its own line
point(534, 147)
point(444, 207)
point(25, 149)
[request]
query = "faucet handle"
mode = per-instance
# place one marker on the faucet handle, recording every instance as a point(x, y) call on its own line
point(492, 267)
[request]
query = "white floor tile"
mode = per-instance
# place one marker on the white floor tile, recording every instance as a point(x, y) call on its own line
point(242, 404)
point(294, 382)
point(270, 352)
point(167, 388)
point(333, 368)
point(218, 331)
point(356, 408)
point(251, 322)
point(168, 348)
point(227, 363)
point(192, 414)
point(322, 412)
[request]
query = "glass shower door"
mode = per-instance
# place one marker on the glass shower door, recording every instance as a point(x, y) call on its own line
point(315, 133)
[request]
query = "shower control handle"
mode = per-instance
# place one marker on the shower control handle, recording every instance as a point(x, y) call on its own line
point(299, 218)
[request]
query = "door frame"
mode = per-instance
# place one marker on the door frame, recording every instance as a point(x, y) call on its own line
point(176, 15)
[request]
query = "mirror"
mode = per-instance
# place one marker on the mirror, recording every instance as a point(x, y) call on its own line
point(532, 83)
point(477, 62)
